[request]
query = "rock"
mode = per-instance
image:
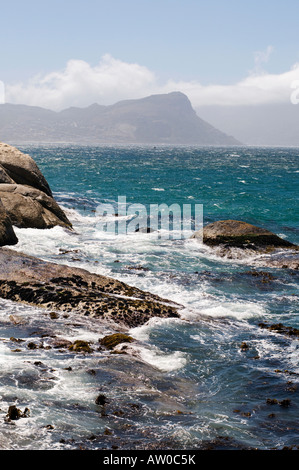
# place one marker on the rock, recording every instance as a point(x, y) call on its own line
point(110, 341)
point(80, 346)
point(4, 178)
point(31, 208)
point(21, 169)
point(15, 413)
point(25, 193)
point(57, 287)
point(7, 234)
point(282, 329)
point(235, 233)
point(288, 260)
point(101, 400)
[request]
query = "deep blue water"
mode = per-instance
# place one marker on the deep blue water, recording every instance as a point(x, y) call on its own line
point(221, 389)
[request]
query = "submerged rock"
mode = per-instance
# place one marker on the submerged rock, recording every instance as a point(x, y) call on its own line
point(282, 329)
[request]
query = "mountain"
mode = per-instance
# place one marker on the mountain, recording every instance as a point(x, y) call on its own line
point(157, 119)
point(265, 125)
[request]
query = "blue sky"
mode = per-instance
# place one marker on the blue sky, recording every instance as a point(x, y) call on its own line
point(210, 42)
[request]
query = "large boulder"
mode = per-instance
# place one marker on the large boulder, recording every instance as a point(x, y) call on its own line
point(7, 234)
point(25, 193)
point(235, 233)
point(21, 169)
point(30, 208)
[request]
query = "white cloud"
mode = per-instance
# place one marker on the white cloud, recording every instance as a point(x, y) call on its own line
point(112, 80)
point(80, 84)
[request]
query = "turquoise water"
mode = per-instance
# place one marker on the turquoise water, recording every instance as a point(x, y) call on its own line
point(196, 361)
point(258, 185)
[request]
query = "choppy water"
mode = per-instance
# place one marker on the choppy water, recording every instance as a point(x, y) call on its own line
point(190, 383)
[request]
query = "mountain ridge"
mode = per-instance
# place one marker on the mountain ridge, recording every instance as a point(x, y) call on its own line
point(156, 119)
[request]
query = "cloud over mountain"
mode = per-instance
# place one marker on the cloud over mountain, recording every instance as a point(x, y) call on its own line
point(112, 80)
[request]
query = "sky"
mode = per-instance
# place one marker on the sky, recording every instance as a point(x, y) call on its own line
point(57, 54)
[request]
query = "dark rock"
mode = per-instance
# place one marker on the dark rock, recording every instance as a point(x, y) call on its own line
point(101, 400)
point(15, 413)
point(80, 346)
point(7, 234)
point(271, 401)
point(63, 288)
point(285, 403)
point(110, 341)
point(280, 328)
point(235, 233)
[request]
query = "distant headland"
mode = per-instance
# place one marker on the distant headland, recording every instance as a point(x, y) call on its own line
point(157, 119)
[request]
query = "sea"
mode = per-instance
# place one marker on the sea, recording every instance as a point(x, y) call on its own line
point(187, 382)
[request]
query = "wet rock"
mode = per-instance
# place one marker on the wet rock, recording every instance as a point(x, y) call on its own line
point(224, 443)
point(235, 233)
point(80, 346)
point(271, 401)
point(63, 288)
point(234, 239)
point(110, 341)
point(61, 343)
point(15, 413)
point(54, 315)
point(280, 328)
point(262, 276)
point(285, 403)
point(244, 346)
point(101, 400)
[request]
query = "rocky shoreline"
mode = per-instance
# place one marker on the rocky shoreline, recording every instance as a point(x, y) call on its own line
point(26, 200)
point(65, 293)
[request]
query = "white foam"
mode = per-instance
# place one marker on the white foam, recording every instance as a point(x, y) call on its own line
point(163, 361)
point(224, 309)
